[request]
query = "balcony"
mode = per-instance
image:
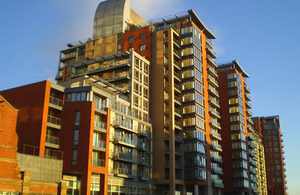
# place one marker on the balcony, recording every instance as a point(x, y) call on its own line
point(216, 158)
point(253, 170)
point(212, 71)
point(98, 163)
point(99, 145)
point(143, 161)
point(215, 134)
point(248, 97)
point(178, 151)
point(178, 138)
point(251, 153)
point(250, 120)
point(250, 136)
point(52, 141)
point(211, 52)
point(144, 176)
point(178, 125)
point(177, 54)
point(177, 65)
point(100, 126)
point(127, 157)
point(217, 170)
point(125, 141)
point(177, 112)
point(100, 108)
point(208, 42)
point(143, 146)
point(253, 162)
point(247, 88)
point(249, 113)
point(144, 133)
point(250, 128)
point(125, 126)
point(213, 91)
point(248, 104)
point(218, 183)
point(214, 113)
point(177, 88)
point(214, 102)
point(211, 61)
point(55, 103)
point(251, 144)
point(177, 100)
point(216, 146)
point(126, 173)
point(212, 81)
point(54, 122)
point(214, 123)
point(178, 77)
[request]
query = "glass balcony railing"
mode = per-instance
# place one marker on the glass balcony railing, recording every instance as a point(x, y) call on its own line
point(213, 100)
point(126, 140)
point(99, 106)
point(127, 172)
point(125, 124)
point(99, 143)
point(98, 162)
point(55, 101)
point(144, 132)
point(125, 156)
point(54, 120)
point(100, 124)
point(52, 139)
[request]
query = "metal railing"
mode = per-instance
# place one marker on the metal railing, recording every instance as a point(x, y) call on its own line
point(52, 139)
point(54, 120)
point(55, 101)
point(100, 124)
point(126, 140)
point(99, 143)
point(98, 162)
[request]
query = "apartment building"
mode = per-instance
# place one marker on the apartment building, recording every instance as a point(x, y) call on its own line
point(23, 173)
point(242, 145)
point(274, 153)
point(183, 80)
point(40, 112)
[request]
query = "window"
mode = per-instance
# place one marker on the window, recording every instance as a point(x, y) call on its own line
point(74, 157)
point(95, 184)
point(75, 137)
point(142, 36)
point(77, 117)
point(131, 39)
point(142, 47)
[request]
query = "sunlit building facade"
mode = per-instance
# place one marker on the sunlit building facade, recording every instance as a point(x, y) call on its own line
point(274, 153)
point(244, 173)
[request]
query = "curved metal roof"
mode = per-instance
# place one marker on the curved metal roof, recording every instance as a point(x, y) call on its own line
point(110, 18)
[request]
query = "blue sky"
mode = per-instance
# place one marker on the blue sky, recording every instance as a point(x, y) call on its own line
point(263, 36)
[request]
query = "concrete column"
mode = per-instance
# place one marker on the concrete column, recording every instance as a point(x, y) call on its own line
point(196, 191)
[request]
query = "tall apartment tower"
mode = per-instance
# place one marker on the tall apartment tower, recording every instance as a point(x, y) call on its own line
point(184, 107)
point(171, 63)
point(242, 146)
point(274, 153)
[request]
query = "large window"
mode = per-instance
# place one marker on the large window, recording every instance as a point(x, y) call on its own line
point(142, 47)
point(74, 157)
point(77, 118)
point(95, 184)
point(75, 137)
point(131, 39)
point(142, 36)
